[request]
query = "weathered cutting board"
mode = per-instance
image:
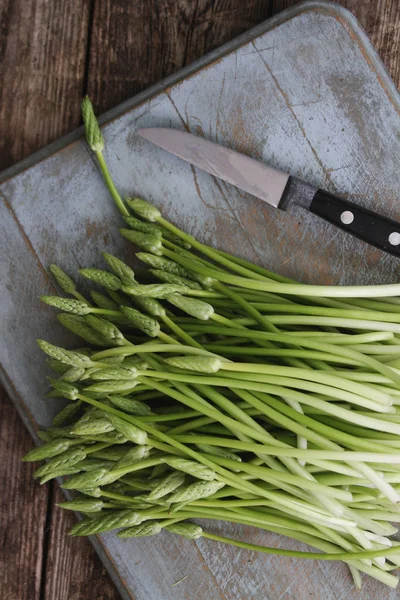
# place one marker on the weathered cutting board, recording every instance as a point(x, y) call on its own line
point(304, 92)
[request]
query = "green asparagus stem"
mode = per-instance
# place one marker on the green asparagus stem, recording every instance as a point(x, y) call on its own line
point(221, 390)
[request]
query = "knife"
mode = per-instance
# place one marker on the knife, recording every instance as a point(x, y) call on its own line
point(276, 187)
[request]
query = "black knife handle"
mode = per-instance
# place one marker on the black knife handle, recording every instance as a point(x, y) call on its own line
point(360, 222)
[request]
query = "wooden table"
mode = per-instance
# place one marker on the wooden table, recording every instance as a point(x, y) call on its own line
point(51, 54)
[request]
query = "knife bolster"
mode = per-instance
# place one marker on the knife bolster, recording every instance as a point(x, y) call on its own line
point(297, 193)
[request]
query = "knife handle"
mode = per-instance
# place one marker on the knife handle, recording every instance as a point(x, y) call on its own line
point(360, 222)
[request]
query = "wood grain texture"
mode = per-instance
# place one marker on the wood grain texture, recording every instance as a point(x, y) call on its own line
point(73, 570)
point(381, 21)
point(135, 44)
point(42, 59)
point(22, 511)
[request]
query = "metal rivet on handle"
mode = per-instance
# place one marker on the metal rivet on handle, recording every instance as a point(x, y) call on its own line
point(394, 238)
point(347, 217)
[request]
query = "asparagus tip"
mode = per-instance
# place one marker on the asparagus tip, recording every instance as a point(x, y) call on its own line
point(94, 136)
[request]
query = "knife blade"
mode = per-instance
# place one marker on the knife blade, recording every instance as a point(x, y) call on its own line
point(277, 188)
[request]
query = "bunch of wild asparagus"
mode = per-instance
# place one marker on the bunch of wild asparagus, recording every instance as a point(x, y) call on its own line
point(213, 388)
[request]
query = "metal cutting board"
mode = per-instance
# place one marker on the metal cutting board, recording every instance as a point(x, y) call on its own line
point(305, 92)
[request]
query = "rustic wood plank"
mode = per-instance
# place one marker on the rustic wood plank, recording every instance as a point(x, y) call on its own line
point(22, 511)
point(381, 21)
point(74, 571)
point(42, 58)
point(135, 44)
